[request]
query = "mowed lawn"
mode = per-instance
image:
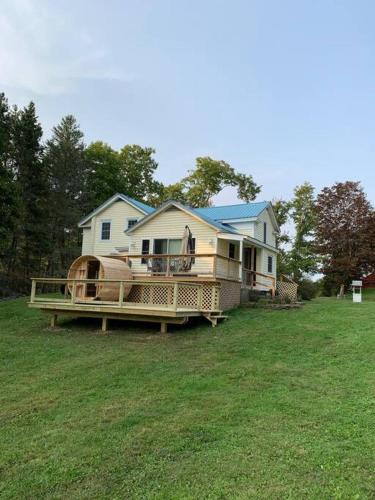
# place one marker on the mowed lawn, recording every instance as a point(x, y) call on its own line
point(271, 404)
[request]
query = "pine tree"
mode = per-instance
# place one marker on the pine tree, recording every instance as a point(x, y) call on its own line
point(65, 162)
point(8, 198)
point(31, 236)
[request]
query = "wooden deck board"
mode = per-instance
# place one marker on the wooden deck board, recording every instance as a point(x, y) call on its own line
point(120, 311)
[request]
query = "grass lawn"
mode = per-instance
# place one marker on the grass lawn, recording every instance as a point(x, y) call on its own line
point(271, 404)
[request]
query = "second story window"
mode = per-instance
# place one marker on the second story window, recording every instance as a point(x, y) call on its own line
point(131, 222)
point(264, 232)
point(106, 230)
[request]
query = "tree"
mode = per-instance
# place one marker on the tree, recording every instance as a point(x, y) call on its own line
point(282, 213)
point(208, 179)
point(345, 232)
point(302, 257)
point(136, 177)
point(8, 198)
point(31, 241)
point(103, 174)
point(67, 168)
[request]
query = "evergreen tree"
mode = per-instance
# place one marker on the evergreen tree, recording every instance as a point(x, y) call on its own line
point(31, 242)
point(65, 161)
point(8, 198)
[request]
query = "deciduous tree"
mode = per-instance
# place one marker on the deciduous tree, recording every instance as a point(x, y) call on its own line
point(207, 179)
point(345, 232)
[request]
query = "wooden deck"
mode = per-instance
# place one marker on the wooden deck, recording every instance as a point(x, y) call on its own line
point(166, 301)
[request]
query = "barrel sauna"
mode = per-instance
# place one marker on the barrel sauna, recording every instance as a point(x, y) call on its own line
point(96, 267)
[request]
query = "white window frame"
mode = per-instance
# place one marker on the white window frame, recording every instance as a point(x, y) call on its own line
point(168, 240)
point(127, 222)
point(103, 221)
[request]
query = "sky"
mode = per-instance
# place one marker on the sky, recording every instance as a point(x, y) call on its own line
point(283, 90)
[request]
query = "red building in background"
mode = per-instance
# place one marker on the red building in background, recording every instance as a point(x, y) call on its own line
point(369, 281)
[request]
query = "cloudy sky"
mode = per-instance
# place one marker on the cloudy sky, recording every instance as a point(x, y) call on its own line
point(281, 89)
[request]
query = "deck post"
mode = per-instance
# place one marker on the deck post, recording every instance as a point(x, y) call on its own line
point(121, 294)
point(200, 295)
point(175, 296)
point(53, 320)
point(104, 324)
point(33, 291)
point(74, 291)
point(168, 269)
point(163, 327)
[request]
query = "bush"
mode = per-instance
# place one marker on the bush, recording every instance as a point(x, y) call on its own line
point(307, 289)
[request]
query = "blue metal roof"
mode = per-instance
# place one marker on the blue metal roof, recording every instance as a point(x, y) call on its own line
point(222, 227)
point(139, 204)
point(240, 211)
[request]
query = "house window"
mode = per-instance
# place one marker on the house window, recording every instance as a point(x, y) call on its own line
point(131, 223)
point(270, 264)
point(232, 250)
point(264, 232)
point(106, 230)
point(145, 250)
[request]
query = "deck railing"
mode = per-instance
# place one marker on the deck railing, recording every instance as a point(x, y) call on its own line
point(208, 265)
point(254, 279)
point(166, 295)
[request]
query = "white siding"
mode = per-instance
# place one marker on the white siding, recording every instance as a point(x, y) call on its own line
point(265, 217)
point(262, 261)
point(171, 224)
point(117, 213)
point(87, 246)
point(246, 227)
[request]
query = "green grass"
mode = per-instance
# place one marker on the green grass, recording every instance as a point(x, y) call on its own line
point(271, 404)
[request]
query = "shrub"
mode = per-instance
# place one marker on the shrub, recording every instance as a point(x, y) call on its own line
point(307, 289)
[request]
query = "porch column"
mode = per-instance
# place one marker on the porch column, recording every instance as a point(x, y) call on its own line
point(241, 259)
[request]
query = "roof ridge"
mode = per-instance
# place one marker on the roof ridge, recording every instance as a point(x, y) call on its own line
point(234, 205)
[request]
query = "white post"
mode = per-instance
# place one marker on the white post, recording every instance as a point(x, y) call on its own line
point(241, 259)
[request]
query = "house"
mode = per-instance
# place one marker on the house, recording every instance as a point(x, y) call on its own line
point(369, 281)
point(176, 261)
point(233, 242)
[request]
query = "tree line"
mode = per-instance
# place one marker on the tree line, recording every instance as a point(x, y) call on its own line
point(46, 187)
point(334, 234)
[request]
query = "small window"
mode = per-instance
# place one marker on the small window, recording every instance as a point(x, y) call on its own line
point(131, 223)
point(145, 250)
point(106, 230)
point(232, 250)
point(270, 264)
point(264, 232)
